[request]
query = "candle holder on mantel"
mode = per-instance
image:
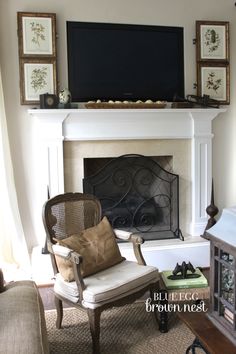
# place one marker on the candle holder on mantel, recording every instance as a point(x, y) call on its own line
point(222, 237)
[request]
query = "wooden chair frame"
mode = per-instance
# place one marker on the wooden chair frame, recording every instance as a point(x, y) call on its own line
point(93, 314)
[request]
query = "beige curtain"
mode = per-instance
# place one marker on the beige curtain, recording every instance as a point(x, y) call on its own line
point(14, 257)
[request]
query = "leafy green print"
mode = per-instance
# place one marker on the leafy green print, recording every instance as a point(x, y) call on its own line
point(38, 78)
point(212, 40)
point(212, 83)
point(38, 32)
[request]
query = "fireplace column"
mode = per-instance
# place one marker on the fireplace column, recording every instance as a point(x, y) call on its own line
point(49, 153)
point(201, 170)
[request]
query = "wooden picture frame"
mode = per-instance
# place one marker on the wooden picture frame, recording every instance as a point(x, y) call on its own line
point(212, 39)
point(37, 55)
point(36, 34)
point(38, 76)
point(213, 80)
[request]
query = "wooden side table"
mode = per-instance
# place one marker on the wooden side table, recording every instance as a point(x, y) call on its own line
point(194, 295)
point(208, 337)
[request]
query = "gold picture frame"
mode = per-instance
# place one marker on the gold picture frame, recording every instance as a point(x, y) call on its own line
point(213, 79)
point(212, 40)
point(36, 34)
point(38, 76)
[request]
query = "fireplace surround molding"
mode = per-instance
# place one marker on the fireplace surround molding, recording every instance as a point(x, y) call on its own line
point(54, 126)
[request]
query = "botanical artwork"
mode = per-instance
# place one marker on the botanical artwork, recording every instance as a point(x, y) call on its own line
point(37, 55)
point(213, 42)
point(214, 82)
point(37, 35)
point(38, 80)
point(213, 62)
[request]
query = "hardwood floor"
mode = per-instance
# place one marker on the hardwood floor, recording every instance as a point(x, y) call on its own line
point(47, 295)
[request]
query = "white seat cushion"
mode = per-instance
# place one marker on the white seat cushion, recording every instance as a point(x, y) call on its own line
point(66, 289)
point(115, 282)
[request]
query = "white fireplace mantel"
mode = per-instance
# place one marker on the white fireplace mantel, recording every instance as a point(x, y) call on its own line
point(53, 126)
point(120, 124)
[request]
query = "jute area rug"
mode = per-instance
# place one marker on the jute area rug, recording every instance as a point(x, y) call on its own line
point(124, 330)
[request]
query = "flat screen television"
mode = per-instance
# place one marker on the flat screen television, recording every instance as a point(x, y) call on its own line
point(124, 62)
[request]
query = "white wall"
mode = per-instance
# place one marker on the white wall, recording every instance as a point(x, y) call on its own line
point(156, 12)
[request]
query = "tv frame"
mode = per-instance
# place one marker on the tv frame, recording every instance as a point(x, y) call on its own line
point(120, 26)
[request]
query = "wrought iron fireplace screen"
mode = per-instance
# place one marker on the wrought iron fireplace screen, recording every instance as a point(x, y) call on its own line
point(138, 195)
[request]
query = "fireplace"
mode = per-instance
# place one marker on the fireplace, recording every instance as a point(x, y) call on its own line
point(136, 193)
point(186, 134)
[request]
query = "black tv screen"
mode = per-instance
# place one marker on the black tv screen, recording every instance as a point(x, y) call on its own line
point(124, 62)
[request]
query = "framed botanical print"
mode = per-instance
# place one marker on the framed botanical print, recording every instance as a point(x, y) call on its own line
point(38, 76)
point(37, 55)
point(36, 34)
point(212, 39)
point(213, 80)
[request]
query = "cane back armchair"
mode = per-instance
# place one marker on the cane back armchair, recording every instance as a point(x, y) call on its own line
point(72, 213)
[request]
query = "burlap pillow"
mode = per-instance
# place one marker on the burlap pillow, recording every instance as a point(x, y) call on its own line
point(97, 246)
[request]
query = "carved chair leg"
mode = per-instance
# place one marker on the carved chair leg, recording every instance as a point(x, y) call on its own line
point(94, 322)
point(59, 309)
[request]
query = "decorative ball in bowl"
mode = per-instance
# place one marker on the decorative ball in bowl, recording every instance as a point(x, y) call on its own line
point(64, 96)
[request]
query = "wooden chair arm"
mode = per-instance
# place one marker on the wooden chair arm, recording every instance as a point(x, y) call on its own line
point(136, 240)
point(67, 253)
point(76, 260)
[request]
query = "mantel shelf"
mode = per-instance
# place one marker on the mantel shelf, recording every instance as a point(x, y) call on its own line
point(73, 111)
point(118, 124)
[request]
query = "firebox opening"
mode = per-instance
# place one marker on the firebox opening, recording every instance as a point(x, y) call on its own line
point(137, 193)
